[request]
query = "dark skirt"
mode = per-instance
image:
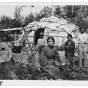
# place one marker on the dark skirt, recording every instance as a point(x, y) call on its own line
point(53, 71)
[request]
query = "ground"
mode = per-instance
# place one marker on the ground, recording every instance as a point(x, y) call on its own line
point(25, 66)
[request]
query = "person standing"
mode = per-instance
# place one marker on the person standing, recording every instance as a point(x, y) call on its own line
point(69, 52)
point(41, 45)
point(41, 42)
point(82, 42)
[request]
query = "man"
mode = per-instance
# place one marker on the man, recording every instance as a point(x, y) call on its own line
point(82, 41)
point(69, 52)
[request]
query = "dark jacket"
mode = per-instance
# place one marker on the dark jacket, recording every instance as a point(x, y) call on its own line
point(69, 48)
point(49, 55)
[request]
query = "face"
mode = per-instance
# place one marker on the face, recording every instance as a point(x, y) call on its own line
point(69, 38)
point(41, 36)
point(82, 30)
point(50, 42)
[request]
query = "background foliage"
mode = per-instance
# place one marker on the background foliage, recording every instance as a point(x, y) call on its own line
point(76, 14)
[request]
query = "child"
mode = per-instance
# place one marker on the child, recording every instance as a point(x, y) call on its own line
point(47, 59)
point(69, 52)
point(41, 42)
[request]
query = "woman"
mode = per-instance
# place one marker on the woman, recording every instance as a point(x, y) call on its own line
point(48, 59)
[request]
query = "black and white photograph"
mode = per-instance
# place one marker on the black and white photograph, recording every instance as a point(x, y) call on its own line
point(43, 42)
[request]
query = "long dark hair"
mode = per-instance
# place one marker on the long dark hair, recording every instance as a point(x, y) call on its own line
point(52, 38)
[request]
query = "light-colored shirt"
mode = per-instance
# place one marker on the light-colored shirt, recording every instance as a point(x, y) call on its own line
point(82, 38)
point(41, 42)
point(69, 42)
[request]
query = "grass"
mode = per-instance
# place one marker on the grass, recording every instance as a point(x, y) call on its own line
point(23, 67)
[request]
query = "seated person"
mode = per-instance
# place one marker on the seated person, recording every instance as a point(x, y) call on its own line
point(48, 57)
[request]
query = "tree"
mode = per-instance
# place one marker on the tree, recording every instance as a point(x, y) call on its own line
point(75, 14)
point(6, 22)
point(57, 10)
point(29, 19)
point(17, 16)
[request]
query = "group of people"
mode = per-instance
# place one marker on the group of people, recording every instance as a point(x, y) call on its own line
point(50, 61)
